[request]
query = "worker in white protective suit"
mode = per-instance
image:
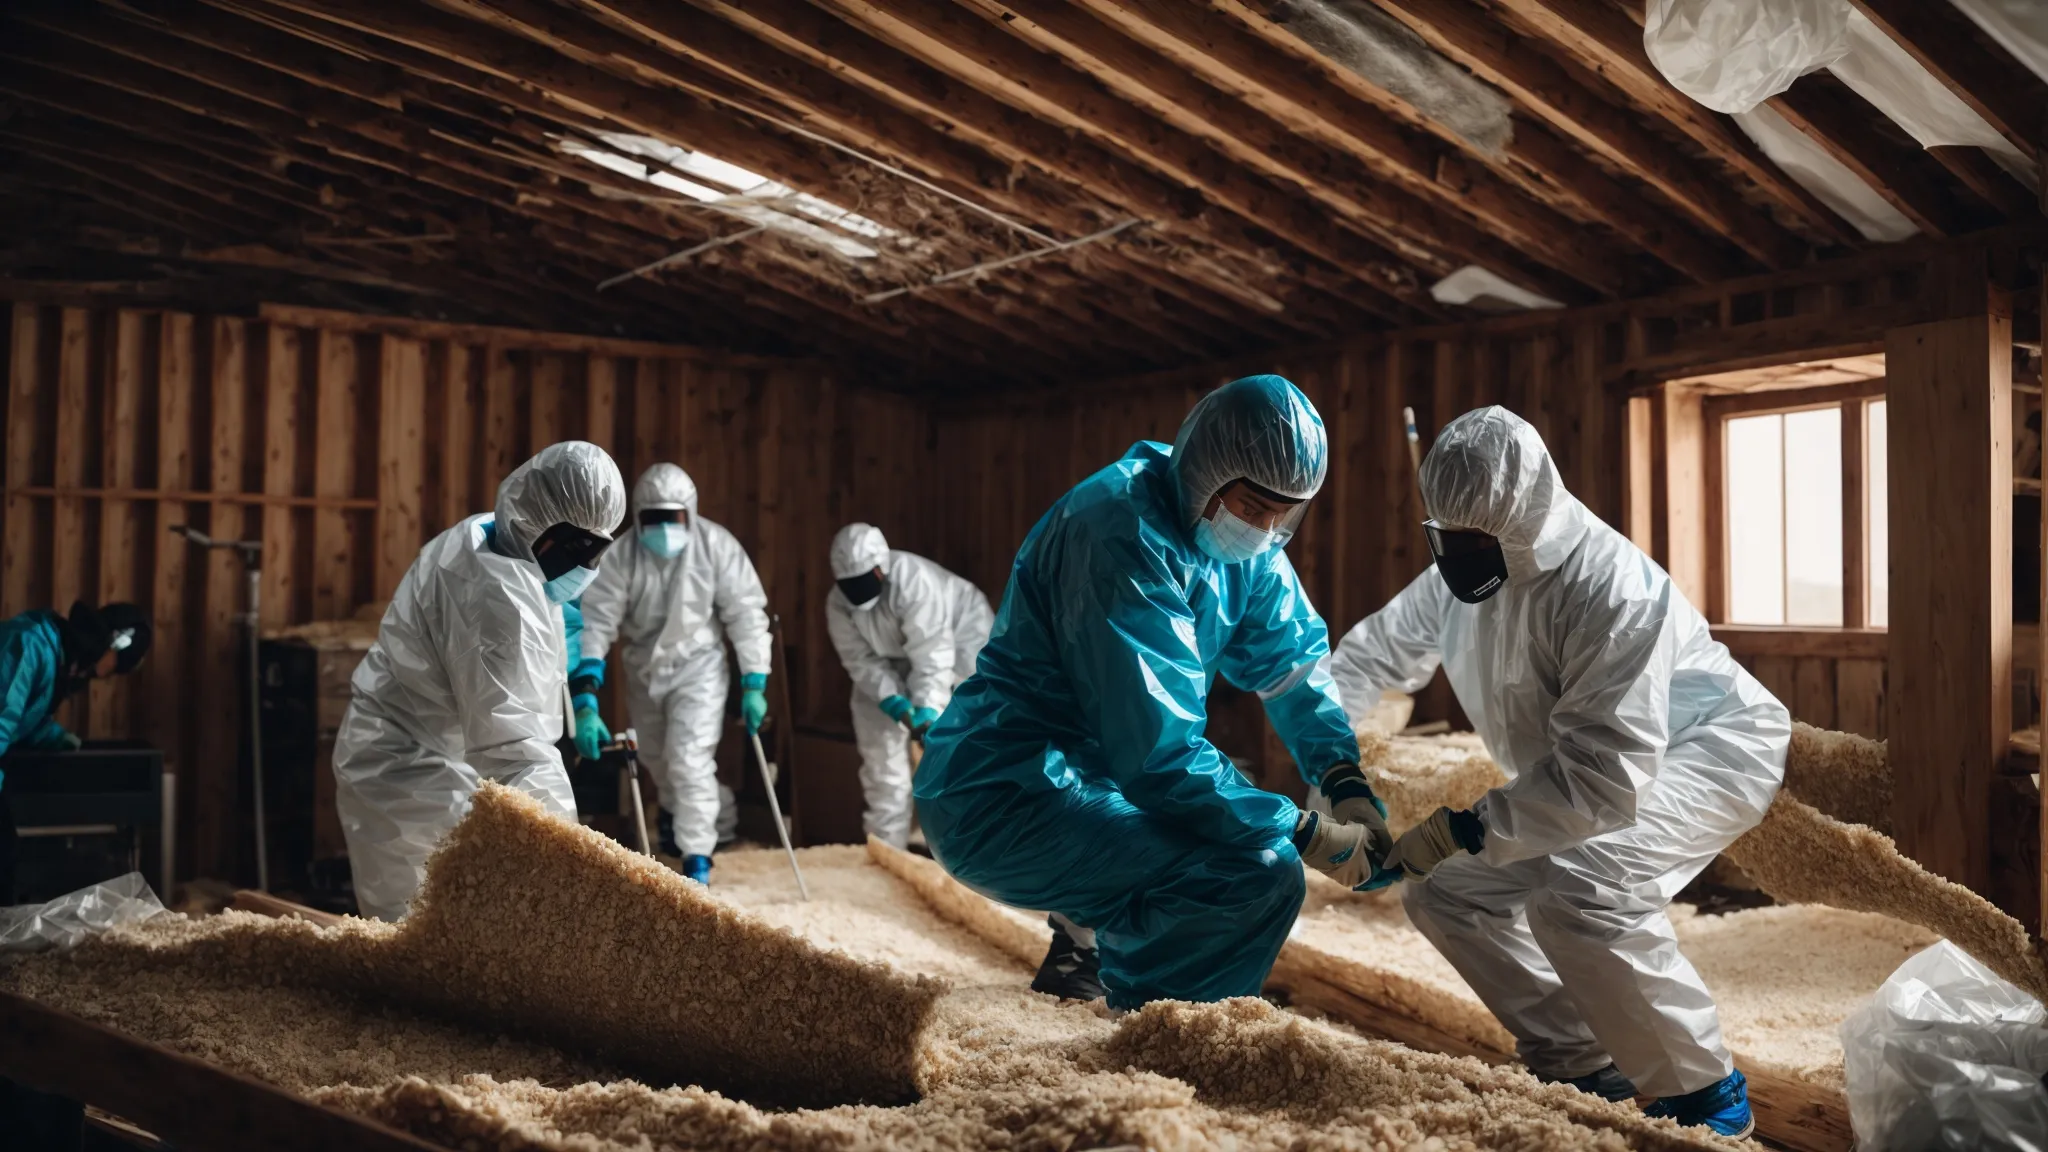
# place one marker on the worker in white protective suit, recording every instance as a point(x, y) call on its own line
point(465, 681)
point(1635, 747)
point(671, 598)
point(907, 631)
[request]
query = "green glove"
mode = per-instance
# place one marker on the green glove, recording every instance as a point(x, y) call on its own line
point(591, 734)
point(897, 708)
point(754, 699)
point(922, 720)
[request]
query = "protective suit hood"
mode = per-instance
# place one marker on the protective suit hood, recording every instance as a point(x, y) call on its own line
point(664, 485)
point(858, 548)
point(1489, 471)
point(571, 482)
point(1258, 428)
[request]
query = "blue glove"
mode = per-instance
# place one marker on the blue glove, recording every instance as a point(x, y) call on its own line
point(754, 699)
point(897, 708)
point(922, 720)
point(591, 734)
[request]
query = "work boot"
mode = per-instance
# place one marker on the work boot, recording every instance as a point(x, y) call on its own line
point(1608, 1083)
point(698, 868)
point(1722, 1106)
point(665, 827)
point(1070, 971)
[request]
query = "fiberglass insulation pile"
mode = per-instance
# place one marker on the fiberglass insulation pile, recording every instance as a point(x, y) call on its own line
point(533, 926)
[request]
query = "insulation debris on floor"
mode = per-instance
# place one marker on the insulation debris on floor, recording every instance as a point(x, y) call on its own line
point(545, 965)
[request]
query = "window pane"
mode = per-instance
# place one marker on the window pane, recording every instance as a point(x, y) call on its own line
point(1879, 562)
point(1813, 517)
point(1756, 524)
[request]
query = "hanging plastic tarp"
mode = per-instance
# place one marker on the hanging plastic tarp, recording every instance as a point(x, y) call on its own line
point(1475, 287)
point(1947, 1056)
point(2019, 26)
point(63, 922)
point(1733, 56)
point(1810, 165)
point(1358, 36)
point(1887, 75)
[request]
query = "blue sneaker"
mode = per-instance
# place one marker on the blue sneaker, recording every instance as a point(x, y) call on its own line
point(1722, 1106)
point(1608, 1083)
point(698, 868)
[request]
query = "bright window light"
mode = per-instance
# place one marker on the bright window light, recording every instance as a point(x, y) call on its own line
point(1877, 508)
point(735, 191)
point(1784, 508)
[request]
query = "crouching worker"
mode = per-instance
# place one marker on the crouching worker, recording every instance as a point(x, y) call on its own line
point(1636, 750)
point(45, 657)
point(467, 680)
point(1071, 771)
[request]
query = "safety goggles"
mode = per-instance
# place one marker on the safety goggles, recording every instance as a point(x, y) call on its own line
point(860, 589)
point(1471, 563)
point(567, 546)
point(673, 514)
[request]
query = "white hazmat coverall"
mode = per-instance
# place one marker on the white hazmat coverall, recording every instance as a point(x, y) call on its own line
point(465, 680)
point(671, 617)
point(918, 640)
point(1635, 747)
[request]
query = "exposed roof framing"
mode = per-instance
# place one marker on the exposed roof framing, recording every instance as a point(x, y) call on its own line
point(434, 156)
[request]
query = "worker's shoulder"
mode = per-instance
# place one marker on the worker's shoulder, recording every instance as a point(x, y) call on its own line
point(1125, 494)
point(713, 530)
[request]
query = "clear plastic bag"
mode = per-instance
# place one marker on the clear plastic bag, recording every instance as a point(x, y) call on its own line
point(1732, 57)
point(1947, 1055)
point(64, 922)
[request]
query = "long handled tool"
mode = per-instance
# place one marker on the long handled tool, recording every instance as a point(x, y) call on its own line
point(775, 810)
point(629, 744)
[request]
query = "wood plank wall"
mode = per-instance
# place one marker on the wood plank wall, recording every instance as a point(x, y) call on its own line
point(346, 442)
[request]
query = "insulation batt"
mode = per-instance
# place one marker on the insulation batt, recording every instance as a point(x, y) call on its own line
point(627, 953)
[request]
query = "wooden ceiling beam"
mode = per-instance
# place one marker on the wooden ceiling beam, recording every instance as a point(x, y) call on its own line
point(249, 40)
point(1988, 180)
point(1608, 44)
point(692, 40)
point(1569, 103)
point(1845, 124)
point(1241, 63)
point(1533, 160)
point(2005, 92)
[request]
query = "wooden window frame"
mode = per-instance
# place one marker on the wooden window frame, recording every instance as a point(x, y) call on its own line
point(1853, 399)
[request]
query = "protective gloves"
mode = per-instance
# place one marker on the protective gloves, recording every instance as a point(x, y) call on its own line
point(754, 699)
point(1336, 850)
point(898, 708)
point(591, 734)
point(922, 720)
point(1352, 802)
point(1443, 835)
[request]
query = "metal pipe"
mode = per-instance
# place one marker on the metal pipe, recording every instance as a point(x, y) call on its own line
point(630, 741)
point(1004, 262)
point(775, 810)
point(253, 559)
point(168, 839)
point(678, 257)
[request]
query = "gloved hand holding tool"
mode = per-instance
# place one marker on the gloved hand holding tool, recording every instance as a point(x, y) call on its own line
point(1443, 835)
point(1352, 843)
point(591, 733)
point(754, 699)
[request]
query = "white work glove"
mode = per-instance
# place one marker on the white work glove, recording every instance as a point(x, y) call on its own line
point(1443, 835)
point(1352, 802)
point(1338, 851)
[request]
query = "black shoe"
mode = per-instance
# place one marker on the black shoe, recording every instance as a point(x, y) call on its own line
point(665, 825)
point(1608, 1084)
point(1070, 971)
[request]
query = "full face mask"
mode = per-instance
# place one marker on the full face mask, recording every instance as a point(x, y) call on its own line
point(665, 530)
point(862, 591)
point(1471, 563)
point(568, 557)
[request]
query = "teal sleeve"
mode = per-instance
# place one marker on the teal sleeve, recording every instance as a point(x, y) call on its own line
point(18, 673)
point(1127, 640)
point(1281, 651)
point(581, 667)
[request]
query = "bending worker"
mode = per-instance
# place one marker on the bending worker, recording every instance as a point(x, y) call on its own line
point(1636, 750)
point(907, 631)
point(465, 681)
point(44, 658)
point(1072, 772)
point(672, 597)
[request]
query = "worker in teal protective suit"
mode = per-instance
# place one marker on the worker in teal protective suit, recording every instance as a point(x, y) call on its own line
point(1071, 772)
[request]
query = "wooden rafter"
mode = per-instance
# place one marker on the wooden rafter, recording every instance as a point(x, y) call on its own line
point(2005, 92)
point(1846, 126)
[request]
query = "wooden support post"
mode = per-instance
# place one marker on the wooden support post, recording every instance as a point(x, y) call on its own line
point(1682, 512)
point(1949, 443)
point(2041, 924)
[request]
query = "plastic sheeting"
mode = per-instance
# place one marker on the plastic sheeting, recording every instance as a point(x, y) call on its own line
point(64, 922)
point(1357, 36)
point(1479, 288)
point(1947, 1055)
point(1732, 57)
point(2019, 26)
point(1885, 74)
point(1824, 176)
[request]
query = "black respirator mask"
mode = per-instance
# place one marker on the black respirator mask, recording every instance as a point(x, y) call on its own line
point(1471, 563)
point(860, 589)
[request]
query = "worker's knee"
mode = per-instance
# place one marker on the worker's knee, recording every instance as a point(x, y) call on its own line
point(1581, 913)
point(1278, 876)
